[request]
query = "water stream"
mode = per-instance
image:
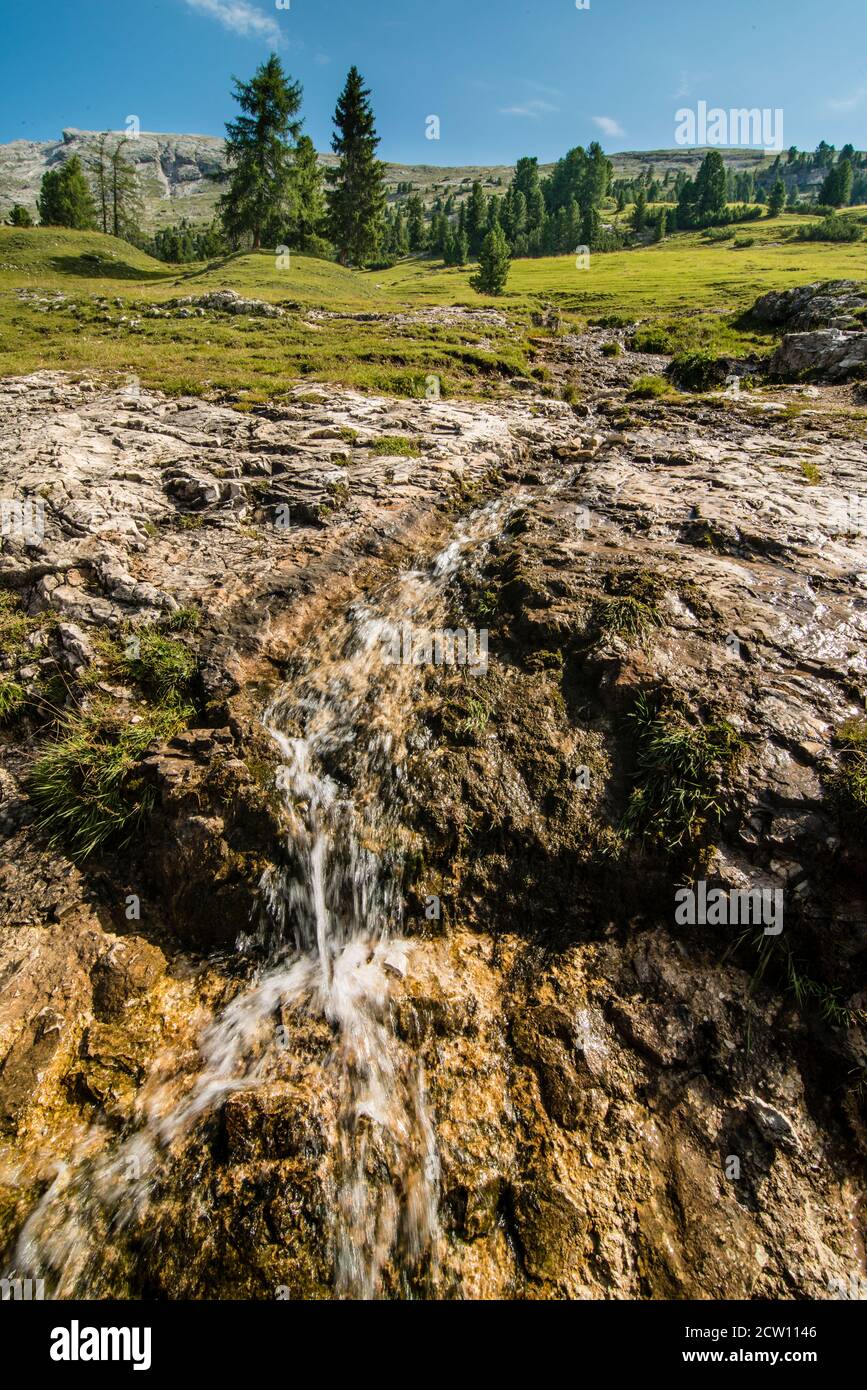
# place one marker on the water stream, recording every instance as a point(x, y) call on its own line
point(332, 934)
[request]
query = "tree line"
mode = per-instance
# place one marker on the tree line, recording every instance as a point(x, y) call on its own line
point(276, 194)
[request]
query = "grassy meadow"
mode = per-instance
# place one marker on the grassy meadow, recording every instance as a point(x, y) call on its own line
point(689, 289)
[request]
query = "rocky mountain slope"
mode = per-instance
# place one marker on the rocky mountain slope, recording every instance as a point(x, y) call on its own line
point(531, 1080)
point(176, 171)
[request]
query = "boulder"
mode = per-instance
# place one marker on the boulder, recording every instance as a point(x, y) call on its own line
point(826, 304)
point(830, 354)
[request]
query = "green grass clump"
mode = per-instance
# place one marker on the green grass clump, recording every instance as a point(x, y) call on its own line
point(397, 445)
point(851, 780)
point(476, 719)
point(811, 473)
point(650, 388)
point(12, 699)
point(15, 627)
point(161, 666)
point(695, 371)
point(680, 770)
point(624, 615)
point(185, 619)
point(87, 784)
point(612, 349)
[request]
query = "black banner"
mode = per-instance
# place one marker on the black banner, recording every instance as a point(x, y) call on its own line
point(63, 1340)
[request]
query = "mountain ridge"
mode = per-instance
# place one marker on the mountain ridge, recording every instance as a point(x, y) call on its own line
point(176, 171)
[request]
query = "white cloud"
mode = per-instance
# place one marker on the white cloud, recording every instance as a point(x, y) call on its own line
point(541, 87)
point(241, 17)
point(608, 125)
point(850, 103)
point(322, 59)
point(533, 109)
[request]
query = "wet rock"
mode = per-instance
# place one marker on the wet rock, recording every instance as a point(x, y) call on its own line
point(130, 968)
point(551, 1229)
point(275, 1121)
point(772, 1123)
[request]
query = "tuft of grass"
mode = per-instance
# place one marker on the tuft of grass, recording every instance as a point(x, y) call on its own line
point(695, 371)
point(650, 388)
point(851, 778)
point(680, 771)
point(160, 665)
point(612, 349)
point(476, 719)
point(185, 619)
point(12, 699)
point(624, 615)
point(87, 784)
point(811, 473)
point(15, 627)
point(397, 445)
point(777, 961)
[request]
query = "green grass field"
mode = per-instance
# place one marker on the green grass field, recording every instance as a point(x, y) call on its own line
point(692, 289)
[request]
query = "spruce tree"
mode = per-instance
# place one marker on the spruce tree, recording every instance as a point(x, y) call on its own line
point(777, 200)
point(415, 223)
point(494, 263)
point(259, 153)
point(710, 188)
point(477, 219)
point(20, 216)
point(356, 199)
point(308, 194)
point(836, 191)
point(65, 199)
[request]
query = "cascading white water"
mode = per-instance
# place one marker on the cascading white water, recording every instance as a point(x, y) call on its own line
point(332, 929)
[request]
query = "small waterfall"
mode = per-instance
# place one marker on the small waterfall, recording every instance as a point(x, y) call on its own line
point(332, 932)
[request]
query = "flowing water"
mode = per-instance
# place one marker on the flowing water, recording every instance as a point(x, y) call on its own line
point(334, 947)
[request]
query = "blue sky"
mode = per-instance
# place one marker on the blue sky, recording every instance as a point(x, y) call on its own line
point(505, 77)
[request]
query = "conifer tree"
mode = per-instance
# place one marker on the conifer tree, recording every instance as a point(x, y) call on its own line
point(477, 226)
point(124, 201)
point(99, 167)
point(415, 223)
point(777, 200)
point(259, 153)
point(65, 199)
point(308, 194)
point(356, 199)
point(494, 263)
